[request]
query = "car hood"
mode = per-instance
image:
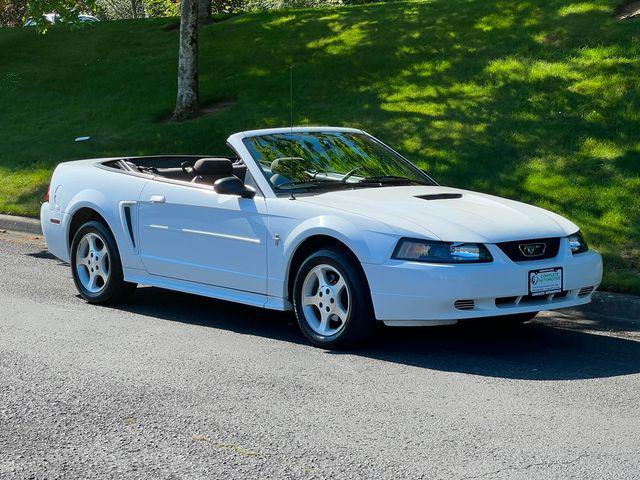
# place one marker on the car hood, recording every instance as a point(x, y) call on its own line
point(429, 212)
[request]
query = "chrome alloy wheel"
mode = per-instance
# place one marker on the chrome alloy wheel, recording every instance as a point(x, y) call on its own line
point(93, 264)
point(326, 300)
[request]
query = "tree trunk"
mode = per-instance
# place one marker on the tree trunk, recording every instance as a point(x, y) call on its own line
point(204, 11)
point(188, 92)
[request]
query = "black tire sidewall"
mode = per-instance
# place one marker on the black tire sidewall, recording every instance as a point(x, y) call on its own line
point(360, 322)
point(115, 285)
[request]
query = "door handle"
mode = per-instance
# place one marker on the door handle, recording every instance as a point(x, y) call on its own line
point(157, 199)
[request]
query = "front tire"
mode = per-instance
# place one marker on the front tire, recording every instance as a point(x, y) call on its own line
point(332, 301)
point(96, 265)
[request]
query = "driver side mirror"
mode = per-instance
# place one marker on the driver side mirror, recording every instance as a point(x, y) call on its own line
point(233, 186)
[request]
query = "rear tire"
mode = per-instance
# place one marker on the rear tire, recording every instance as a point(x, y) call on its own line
point(96, 265)
point(332, 301)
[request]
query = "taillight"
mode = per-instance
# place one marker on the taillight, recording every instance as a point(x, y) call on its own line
point(46, 198)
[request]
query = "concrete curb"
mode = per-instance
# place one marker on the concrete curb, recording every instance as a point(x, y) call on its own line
point(20, 224)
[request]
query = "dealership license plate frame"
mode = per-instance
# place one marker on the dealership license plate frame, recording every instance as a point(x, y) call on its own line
point(547, 287)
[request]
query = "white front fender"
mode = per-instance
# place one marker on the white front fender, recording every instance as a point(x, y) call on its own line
point(367, 246)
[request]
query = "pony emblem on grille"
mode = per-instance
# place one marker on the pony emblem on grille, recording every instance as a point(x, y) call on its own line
point(532, 249)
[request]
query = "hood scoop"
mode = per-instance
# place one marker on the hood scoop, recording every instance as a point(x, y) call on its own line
point(440, 196)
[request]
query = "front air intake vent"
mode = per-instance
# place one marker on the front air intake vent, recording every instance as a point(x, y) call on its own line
point(440, 196)
point(465, 304)
point(127, 217)
point(584, 291)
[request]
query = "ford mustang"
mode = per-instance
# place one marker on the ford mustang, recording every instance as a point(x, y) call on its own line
point(328, 222)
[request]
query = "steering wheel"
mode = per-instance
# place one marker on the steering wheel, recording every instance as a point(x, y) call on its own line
point(187, 167)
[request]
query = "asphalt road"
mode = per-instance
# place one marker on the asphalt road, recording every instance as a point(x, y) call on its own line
point(174, 386)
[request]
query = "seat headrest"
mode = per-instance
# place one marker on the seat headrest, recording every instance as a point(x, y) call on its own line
point(213, 166)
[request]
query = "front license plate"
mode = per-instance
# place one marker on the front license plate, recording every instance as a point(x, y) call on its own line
point(545, 281)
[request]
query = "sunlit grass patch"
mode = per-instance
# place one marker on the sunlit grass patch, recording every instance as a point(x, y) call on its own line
point(583, 7)
point(517, 69)
point(601, 149)
point(342, 40)
point(495, 21)
point(21, 191)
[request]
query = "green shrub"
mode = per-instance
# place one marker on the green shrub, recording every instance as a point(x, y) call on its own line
point(163, 8)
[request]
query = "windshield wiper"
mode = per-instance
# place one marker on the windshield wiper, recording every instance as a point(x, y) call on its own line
point(311, 182)
point(365, 182)
point(350, 173)
point(391, 179)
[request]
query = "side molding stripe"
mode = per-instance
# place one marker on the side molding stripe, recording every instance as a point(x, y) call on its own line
point(256, 241)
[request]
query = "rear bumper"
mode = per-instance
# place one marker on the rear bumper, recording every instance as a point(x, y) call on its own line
point(55, 226)
point(413, 293)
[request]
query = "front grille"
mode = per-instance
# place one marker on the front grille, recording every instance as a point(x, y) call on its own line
point(505, 301)
point(502, 302)
point(515, 253)
point(465, 304)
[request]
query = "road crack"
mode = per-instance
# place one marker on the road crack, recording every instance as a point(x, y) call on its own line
point(527, 467)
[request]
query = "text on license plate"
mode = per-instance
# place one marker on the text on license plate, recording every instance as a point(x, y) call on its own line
point(545, 281)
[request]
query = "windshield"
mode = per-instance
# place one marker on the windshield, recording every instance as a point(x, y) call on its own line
point(330, 160)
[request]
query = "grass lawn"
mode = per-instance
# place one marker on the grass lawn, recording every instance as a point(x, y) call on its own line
point(535, 100)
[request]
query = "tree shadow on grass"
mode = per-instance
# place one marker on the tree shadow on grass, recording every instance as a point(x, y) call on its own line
point(536, 351)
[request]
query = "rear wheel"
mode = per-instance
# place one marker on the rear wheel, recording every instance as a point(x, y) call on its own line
point(332, 300)
point(96, 266)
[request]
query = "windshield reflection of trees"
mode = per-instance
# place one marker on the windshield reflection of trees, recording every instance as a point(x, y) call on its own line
point(310, 154)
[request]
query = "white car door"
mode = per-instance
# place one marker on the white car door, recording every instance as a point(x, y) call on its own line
point(194, 234)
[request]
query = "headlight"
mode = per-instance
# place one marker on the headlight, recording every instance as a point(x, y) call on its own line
point(577, 243)
point(441, 252)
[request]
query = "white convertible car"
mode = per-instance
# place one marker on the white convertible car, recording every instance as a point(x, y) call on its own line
point(329, 222)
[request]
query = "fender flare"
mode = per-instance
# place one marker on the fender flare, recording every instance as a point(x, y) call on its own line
point(331, 226)
point(326, 225)
point(94, 200)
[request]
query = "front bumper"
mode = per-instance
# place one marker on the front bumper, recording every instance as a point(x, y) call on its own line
point(414, 293)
